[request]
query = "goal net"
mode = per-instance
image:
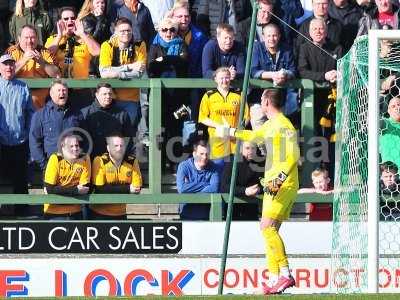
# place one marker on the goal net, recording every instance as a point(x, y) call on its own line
point(351, 271)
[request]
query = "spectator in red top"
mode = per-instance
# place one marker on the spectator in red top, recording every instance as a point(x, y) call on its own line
point(384, 15)
point(321, 182)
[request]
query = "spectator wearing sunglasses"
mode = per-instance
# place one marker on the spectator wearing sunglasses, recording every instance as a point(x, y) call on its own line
point(168, 58)
point(72, 46)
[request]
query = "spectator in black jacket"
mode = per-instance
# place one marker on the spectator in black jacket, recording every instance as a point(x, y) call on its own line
point(95, 21)
point(48, 123)
point(320, 11)
point(314, 63)
point(349, 14)
point(139, 15)
point(103, 117)
point(248, 181)
point(223, 52)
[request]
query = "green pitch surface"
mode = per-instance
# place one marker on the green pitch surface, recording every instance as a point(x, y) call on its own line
point(237, 297)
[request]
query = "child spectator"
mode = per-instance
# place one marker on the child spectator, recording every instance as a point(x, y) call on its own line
point(389, 185)
point(319, 211)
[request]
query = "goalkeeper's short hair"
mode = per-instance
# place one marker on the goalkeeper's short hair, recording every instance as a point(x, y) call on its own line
point(275, 97)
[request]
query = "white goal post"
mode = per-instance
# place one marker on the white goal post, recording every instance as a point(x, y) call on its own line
point(374, 38)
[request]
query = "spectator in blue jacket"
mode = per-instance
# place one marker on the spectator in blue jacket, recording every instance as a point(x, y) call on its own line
point(195, 40)
point(197, 175)
point(273, 61)
point(16, 113)
point(223, 52)
point(288, 11)
point(138, 14)
point(193, 37)
point(50, 121)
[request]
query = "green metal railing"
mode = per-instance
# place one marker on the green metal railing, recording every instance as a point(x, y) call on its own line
point(154, 195)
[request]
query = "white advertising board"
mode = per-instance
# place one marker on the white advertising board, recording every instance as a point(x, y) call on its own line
point(166, 276)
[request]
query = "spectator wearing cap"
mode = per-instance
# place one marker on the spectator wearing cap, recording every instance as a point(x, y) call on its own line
point(320, 11)
point(383, 15)
point(33, 61)
point(16, 113)
point(139, 16)
point(223, 51)
point(49, 122)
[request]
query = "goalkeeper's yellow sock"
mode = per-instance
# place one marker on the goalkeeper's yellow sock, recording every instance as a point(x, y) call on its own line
point(276, 248)
point(272, 264)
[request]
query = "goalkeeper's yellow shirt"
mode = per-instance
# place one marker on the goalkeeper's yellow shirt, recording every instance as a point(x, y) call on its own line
point(216, 107)
point(279, 136)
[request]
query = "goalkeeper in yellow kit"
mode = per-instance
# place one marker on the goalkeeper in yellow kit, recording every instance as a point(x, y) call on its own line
point(280, 183)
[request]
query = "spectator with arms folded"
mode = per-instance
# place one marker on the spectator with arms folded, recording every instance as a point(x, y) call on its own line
point(67, 173)
point(114, 172)
point(122, 57)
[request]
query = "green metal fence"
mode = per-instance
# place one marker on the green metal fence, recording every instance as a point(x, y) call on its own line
point(154, 195)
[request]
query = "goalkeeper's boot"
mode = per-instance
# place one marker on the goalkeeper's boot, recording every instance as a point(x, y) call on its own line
point(266, 289)
point(282, 284)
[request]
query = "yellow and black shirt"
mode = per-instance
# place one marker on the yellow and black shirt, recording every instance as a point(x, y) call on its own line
point(112, 56)
point(216, 107)
point(34, 70)
point(107, 178)
point(63, 177)
point(72, 56)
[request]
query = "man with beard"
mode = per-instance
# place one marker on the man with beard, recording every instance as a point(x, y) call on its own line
point(67, 173)
point(114, 172)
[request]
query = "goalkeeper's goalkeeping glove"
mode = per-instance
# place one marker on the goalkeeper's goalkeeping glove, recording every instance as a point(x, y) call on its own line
point(272, 187)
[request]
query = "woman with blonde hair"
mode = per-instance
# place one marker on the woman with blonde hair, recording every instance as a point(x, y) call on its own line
point(93, 15)
point(96, 23)
point(30, 12)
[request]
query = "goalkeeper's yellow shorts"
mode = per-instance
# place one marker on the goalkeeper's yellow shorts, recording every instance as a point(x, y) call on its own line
point(278, 207)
